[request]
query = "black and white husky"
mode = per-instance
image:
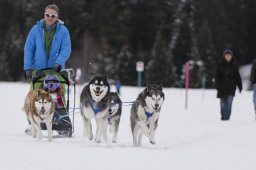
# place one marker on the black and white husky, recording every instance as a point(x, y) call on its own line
point(114, 115)
point(145, 113)
point(94, 104)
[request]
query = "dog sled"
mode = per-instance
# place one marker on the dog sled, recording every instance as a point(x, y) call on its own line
point(62, 123)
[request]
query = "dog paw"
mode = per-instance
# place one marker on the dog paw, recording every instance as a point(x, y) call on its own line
point(113, 141)
point(146, 134)
point(90, 137)
point(136, 144)
point(33, 134)
point(152, 142)
point(97, 141)
point(38, 139)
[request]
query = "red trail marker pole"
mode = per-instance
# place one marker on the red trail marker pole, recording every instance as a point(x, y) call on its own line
point(187, 85)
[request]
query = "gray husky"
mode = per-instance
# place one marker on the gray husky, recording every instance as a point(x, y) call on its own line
point(94, 104)
point(145, 113)
point(114, 115)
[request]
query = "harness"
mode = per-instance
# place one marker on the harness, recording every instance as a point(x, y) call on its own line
point(95, 109)
point(42, 119)
point(148, 114)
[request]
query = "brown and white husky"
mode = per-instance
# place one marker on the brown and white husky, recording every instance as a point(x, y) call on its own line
point(39, 108)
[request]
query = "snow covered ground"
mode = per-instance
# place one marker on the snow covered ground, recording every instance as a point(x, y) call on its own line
point(193, 139)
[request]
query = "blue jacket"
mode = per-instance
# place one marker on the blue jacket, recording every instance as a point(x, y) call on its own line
point(35, 56)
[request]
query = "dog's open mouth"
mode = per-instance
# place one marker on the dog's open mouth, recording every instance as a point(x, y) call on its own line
point(97, 92)
point(155, 108)
point(42, 111)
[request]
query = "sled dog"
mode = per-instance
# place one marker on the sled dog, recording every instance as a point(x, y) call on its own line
point(114, 115)
point(145, 113)
point(39, 108)
point(94, 104)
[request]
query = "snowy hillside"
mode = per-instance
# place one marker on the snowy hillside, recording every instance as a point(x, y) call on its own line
point(193, 139)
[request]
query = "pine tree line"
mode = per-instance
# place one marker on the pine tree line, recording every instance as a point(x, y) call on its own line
point(109, 37)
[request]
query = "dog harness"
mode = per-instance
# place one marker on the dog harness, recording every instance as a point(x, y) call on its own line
point(97, 109)
point(148, 114)
point(42, 119)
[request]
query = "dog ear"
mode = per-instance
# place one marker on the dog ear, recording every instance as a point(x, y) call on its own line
point(50, 97)
point(105, 77)
point(41, 91)
point(48, 92)
point(148, 87)
point(38, 92)
point(160, 87)
point(92, 79)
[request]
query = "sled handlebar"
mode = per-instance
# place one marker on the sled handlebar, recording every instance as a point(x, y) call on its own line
point(67, 74)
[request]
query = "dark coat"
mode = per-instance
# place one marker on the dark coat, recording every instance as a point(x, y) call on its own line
point(253, 72)
point(227, 78)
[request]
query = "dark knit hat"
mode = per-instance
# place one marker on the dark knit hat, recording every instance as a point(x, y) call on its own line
point(228, 52)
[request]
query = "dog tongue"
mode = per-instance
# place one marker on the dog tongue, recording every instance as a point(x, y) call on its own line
point(97, 92)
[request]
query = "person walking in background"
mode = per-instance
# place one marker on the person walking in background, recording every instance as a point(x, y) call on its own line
point(118, 86)
point(227, 79)
point(253, 81)
point(48, 44)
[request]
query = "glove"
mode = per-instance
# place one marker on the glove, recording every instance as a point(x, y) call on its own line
point(57, 68)
point(28, 74)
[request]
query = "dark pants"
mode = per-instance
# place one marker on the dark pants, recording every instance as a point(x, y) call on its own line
point(225, 107)
point(254, 97)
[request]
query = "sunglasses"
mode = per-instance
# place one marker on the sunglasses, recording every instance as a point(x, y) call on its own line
point(50, 15)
